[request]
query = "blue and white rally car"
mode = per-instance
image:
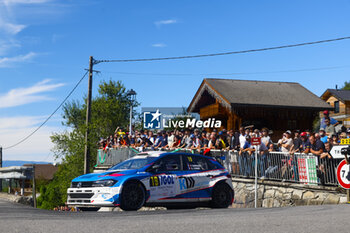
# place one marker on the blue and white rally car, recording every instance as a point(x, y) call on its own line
point(172, 180)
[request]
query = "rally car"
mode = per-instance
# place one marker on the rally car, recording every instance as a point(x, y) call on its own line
point(155, 179)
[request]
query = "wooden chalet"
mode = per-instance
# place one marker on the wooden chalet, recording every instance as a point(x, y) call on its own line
point(276, 105)
point(340, 101)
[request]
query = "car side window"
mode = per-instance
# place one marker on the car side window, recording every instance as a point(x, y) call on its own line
point(169, 163)
point(212, 166)
point(196, 163)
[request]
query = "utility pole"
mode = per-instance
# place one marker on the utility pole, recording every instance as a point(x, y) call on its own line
point(34, 187)
point(130, 127)
point(0, 167)
point(132, 94)
point(88, 115)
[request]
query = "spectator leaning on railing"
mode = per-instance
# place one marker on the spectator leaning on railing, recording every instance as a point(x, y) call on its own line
point(221, 142)
point(204, 139)
point(327, 165)
point(323, 137)
point(265, 138)
point(297, 142)
point(316, 146)
point(242, 137)
point(286, 142)
point(212, 141)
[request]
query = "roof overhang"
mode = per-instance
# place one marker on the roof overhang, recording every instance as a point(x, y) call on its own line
point(205, 86)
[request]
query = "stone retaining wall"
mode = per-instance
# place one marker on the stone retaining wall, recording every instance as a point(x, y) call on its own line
point(280, 194)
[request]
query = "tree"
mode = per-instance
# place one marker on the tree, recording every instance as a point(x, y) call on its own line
point(346, 86)
point(109, 110)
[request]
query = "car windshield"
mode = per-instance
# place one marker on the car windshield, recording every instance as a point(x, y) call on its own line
point(136, 163)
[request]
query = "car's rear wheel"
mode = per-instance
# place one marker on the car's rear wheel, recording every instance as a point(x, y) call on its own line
point(133, 196)
point(222, 196)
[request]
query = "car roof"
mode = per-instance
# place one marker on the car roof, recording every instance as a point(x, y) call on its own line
point(148, 154)
point(157, 154)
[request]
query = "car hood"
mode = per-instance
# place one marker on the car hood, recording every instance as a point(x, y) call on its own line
point(105, 175)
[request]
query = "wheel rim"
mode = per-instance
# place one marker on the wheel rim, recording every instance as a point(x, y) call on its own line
point(221, 196)
point(134, 196)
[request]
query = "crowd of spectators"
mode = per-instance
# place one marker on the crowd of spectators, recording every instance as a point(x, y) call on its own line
point(194, 139)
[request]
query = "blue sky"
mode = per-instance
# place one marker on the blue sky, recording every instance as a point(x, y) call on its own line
point(45, 46)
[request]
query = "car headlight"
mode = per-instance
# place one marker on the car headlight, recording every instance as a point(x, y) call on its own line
point(103, 183)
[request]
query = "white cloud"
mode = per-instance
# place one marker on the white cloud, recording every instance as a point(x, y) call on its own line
point(37, 147)
point(10, 61)
point(5, 46)
point(18, 122)
point(11, 28)
point(21, 96)
point(159, 45)
point(165, 22)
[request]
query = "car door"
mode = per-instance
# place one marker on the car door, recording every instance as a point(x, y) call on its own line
point(163, 181)
point(195, 182)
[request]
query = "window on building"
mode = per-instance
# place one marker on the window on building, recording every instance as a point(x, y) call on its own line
point(336, 106)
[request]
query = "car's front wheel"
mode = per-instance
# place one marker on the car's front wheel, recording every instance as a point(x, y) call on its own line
point(222, 196)
point(133, 196)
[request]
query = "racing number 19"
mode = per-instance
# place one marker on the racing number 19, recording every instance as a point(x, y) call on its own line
point(154, 181)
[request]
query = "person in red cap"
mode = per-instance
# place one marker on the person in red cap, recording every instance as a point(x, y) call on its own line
point(305, 144)
point(326, 115)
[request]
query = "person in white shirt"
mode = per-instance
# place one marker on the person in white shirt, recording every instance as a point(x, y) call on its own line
point(150, 137)
point(242, 138)
point(171, 139)
point(286, 142)
point(265, 138)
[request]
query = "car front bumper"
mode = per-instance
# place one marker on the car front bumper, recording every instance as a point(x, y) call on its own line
point(93, 196)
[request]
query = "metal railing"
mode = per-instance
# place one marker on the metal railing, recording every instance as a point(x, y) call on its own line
point(283, 166)
point(277, 166)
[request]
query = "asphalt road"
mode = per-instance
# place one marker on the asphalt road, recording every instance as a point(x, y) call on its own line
point(328, 218)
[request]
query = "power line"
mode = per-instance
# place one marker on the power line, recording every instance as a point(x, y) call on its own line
point(225, 53)
point(47, 119)
point(234, 73)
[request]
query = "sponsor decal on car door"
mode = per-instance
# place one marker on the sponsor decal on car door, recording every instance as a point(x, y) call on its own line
point(197, 177)
point(164, 182)
point(162, 186)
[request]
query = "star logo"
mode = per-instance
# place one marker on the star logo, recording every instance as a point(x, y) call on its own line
point(156, 115)
point(152, 120)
